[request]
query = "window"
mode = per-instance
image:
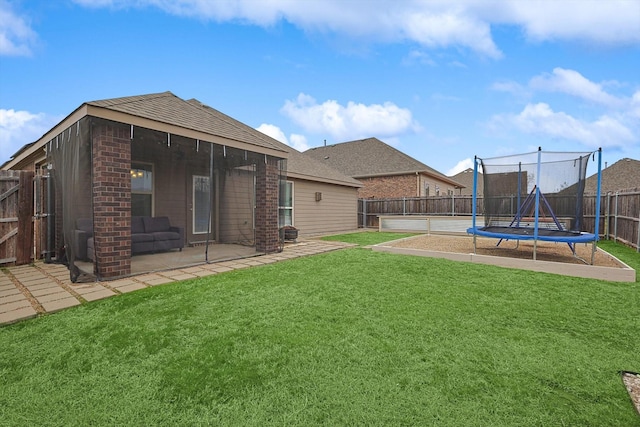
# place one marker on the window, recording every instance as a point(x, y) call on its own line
point(426, 190)
point(285, 204)
point(201, 204)
point(141, 189)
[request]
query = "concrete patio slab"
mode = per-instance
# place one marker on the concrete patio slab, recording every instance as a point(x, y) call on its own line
point(12, 298)
point(98, 295)
point(130, 288)
point(9, 291)
point(60, 304)
point(15, 305)
point(13, 316)
point(54, 296)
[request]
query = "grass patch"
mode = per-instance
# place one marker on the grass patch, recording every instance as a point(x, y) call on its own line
point(350, 337)
point(628, 255)
point(368, 238)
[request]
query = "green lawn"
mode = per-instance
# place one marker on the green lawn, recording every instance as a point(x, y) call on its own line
point(367, 238)
point(351, 337)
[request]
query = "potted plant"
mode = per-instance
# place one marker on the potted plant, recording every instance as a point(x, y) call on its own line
point(289, 232)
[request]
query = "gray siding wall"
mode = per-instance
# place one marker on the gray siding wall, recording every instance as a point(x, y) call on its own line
point(336, 212)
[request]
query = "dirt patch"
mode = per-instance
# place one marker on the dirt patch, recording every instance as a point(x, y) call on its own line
point(546, 251)
point(631, 381)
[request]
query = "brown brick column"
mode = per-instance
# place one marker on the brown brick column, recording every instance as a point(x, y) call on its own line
point(112, 199)
point(267, 181)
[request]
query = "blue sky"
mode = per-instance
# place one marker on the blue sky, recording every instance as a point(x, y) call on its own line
point(439, 80)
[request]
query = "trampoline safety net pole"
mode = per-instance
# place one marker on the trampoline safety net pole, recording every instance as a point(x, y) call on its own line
point(475, 197)
point(537, 213)
point(596, 228)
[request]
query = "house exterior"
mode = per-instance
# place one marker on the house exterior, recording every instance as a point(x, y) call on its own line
point(623, 176)
point(384, 171)
point(324, 200)
point(315, 198)
point(209, 177)
point(465, 178)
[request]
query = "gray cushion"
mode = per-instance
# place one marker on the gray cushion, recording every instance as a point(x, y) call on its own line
point(159, 223)
point(141, 237)
point(165, 235)
point(137, 225)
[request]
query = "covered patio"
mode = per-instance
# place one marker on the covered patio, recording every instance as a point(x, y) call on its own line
point(152, 182)
point(189, 256)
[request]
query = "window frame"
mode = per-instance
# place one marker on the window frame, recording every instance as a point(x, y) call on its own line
point(282, 208)
point(135, 165)
point(193, 204)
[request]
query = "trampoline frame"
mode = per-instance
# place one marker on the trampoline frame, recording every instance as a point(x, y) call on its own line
point(536, 233)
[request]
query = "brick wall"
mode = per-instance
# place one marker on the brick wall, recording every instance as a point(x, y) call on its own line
point(267, 180)
point(112, 199)
point(388, 187)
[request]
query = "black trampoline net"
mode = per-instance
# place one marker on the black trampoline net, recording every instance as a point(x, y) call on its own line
point(162, 200)
point(547, 186)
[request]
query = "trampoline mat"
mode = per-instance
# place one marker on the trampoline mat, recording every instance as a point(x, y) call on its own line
point(528, 233)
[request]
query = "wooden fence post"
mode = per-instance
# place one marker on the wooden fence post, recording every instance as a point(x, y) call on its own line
point(24, 243)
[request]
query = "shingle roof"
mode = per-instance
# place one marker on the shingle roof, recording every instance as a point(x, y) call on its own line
point(299, 164)
point(622, 176)
point(167, 108)
point(371, 157)
point(466, 178)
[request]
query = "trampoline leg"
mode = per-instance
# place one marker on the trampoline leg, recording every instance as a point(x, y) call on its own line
point(593, 252)
point(474, 244)
point(535, 248)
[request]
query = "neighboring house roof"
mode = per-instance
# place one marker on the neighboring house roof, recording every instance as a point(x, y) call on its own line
point(371, 157)
point(299, 165)
point(165, 112)
point(623, 175)
point(466, 178)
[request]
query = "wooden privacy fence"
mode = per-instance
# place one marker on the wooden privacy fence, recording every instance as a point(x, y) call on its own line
point(16, 217)
point(619, 212)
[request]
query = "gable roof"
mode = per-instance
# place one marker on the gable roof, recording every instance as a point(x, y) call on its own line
point(371, 157)
point(466, 178)
point(164, 112)
point(622, 176)
point(299, 165)
point(167, 108)
point(191, 118)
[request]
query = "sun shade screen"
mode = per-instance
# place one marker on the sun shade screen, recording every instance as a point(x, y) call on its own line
point(202, 195)
point(69, 156)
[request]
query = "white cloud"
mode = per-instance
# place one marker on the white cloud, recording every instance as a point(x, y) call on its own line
point(273, 131)
point(462, 165)
point(573, 83)
point(540, 119)
point(418, 57)
point(514, 88)
point(431, 24)
point(16, 37)
point(634, 111)
point(18, 128)
point(352, 121)
point(449, 27)
point(299, 142)
point(601, 22)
